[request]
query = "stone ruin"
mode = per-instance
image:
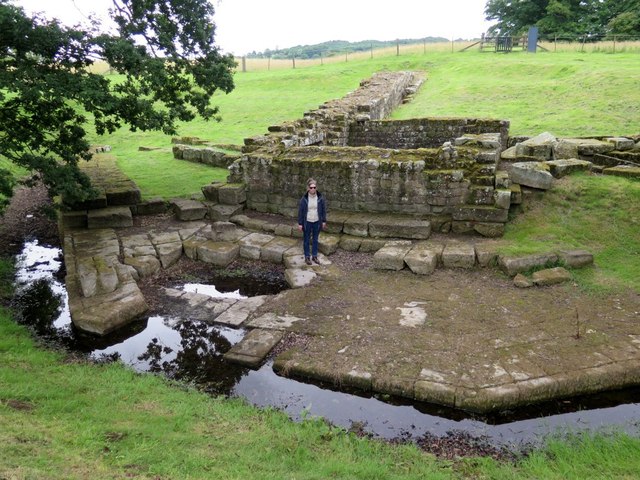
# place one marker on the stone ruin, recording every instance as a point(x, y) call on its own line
point(442, 172)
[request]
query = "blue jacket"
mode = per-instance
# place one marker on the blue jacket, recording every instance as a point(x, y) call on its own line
point(303, 207)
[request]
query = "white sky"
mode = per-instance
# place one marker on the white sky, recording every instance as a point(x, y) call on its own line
point(247, 25)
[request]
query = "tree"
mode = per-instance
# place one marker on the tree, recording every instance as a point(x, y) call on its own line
point(169, 65)
point(565, 17)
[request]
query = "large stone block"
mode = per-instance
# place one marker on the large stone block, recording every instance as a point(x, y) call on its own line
point(218, 253)
point(210, 191)
point(145, 266)
point(110, 217)
point(621, 143)
point(254, 347)
point(589, 147)
point(480, 213)
point(391, 256)
point(489, 229)
point(541, 146)
point(232, 194)
point(357, 225)
point(512, 265)
point(458, 255)
point(561, 168)
point(169, 253)
point(274, 250)
point(623, 171)
point(158, 238)
point(531, 174)
point(153, 206)
point(486, 255)
point(422, 259)
point(187, 210)
point(398, 227)
point(124, 194)
point(575, 258)
point(328, 244)
point(108, 312)
point(190, 246)
point(368, 245)
point(222, 213)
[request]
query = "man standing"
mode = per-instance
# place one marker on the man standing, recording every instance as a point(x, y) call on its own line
point(312, 217)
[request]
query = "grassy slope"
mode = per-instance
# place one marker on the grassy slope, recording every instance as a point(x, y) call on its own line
point(595, 213)
point(568, 94)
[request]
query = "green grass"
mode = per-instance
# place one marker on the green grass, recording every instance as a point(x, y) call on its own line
point(567, 94)
point(600, 214)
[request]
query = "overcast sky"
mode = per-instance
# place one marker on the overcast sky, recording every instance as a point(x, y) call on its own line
point(255, 25)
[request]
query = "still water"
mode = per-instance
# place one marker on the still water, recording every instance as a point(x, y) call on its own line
point(192, 351)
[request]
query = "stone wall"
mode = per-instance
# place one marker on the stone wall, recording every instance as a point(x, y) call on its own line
point(440, 168)
point(208, 156)
point(422, 132)
point(329, 125)
point(454, 187)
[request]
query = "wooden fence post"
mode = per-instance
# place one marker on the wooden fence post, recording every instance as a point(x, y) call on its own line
point(244, 64)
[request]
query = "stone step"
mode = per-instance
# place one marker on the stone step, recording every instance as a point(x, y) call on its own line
point(254, 347)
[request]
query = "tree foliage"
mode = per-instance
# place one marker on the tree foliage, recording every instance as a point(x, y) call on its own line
point(49, 98)
point(595, 18)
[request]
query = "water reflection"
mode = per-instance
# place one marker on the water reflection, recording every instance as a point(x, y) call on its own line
point(187, 351)
point(191, 351)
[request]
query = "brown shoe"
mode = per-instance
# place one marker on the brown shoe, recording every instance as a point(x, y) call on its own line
point(315, 259)
point(307, 260)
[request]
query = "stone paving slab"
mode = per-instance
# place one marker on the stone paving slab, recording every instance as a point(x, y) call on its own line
point(254, 347)
point(240, 311)
point(274, 250)
point(299, 277)
point(273, 321)
point(251, 245)
point(218, 253)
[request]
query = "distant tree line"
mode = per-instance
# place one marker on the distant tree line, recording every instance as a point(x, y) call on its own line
point(337, 47)
point(569, 18)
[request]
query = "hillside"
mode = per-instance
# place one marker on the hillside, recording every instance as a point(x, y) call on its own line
point(338, 47)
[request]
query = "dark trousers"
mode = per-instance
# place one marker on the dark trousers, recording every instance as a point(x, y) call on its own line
point(311, 233)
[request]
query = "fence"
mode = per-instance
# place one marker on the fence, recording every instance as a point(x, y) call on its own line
point(615, 44)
